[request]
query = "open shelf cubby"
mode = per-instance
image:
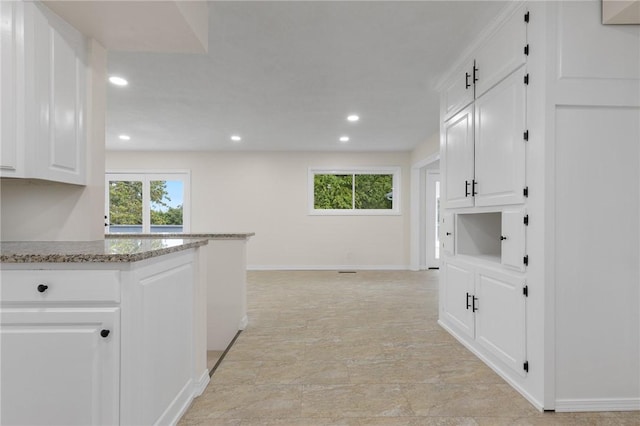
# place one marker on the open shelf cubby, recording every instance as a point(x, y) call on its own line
point(478, 235)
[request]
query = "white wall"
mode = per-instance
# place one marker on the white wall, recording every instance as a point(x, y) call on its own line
point(426, 149)
point(266, 193)
point(33, 210)
point(595, 111)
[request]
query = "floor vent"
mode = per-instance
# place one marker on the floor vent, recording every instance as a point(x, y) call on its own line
point(346, 272)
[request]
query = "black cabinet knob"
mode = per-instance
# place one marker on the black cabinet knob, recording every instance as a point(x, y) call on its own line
point(502, 238)
point(104, 333)
point(42, 288)
point(448, 233)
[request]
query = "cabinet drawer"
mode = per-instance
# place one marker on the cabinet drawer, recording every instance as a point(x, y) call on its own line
point(59, 286)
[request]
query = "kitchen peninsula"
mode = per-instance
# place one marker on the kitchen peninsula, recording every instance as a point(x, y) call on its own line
point(102, 332)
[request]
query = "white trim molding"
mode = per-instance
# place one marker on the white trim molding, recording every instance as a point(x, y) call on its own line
point(336, 268)
point(414, 237)
point(601, 404)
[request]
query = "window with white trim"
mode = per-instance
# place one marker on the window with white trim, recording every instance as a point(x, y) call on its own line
point(144, 202)
point(354, 191)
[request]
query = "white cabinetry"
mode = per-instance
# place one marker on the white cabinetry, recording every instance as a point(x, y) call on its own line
point(483, 145)
point(488, 307)
point(44, 62)
point(60, 348)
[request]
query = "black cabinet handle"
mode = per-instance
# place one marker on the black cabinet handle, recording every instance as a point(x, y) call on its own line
point(466, 80)
point(468, 306)
point(42, 288)
point(502, 238)
point(104, 333)
point(474, 308)
point(473, 188)
point(475, 73)
point(466, 188)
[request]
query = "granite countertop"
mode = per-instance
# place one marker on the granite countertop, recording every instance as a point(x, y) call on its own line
point(207, 235)
point(108, 250)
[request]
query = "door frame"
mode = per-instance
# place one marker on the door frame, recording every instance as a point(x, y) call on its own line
point(432, 175)
point(418, 210)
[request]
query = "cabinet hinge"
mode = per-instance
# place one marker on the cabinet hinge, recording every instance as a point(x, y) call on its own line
point(526, 220)
point(525, 260)
point(525, 291)
point(526, 79)
point(525, 191)
point(525, 366)
point(526, 50)
point(525, 135)
point(526, 17)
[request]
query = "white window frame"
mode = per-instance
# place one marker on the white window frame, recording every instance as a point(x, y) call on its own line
point(146, 176)
point(391, 170)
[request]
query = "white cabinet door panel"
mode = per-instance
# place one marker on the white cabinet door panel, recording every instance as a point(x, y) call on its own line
point(11, 87)
point(514, 244)
point(458, 93)
point(458, 159)
point(499, 143)
point(501, 316)
point(447, 236)
point(502, 53)
point(57, 369)
point(458, 294)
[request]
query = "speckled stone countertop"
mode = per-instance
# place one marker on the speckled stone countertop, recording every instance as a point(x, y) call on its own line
point(209, 236)
point(109, 250)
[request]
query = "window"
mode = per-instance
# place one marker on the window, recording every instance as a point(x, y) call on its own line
point(354, 191)
point(147, 202)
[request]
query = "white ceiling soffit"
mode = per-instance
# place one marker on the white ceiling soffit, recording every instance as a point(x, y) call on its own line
point(621, 11)
point(140, 26)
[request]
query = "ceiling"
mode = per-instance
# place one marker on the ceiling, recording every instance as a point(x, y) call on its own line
point(285, 75)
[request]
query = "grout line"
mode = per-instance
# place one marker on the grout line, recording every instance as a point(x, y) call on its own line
point(215, 367)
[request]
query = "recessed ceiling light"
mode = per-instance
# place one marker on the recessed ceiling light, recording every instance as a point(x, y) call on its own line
point(353, 118)
point(344, 138)
point(236, 138)
point(118, 81)
point(124, 137)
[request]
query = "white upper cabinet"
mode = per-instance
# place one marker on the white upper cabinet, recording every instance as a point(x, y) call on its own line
point(500, 143)
point(11, 86)
point(503, 52)
point(457, 153)
point(458, 91)
point(44, 62)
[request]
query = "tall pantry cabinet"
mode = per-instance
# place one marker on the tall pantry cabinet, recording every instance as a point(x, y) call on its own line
point(540, 152)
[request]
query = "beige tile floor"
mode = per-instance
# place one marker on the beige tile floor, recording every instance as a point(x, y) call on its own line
point(324, 348)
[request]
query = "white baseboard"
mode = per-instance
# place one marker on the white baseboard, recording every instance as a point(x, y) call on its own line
point(178, 406)
point(202, 383)
point(243, 323)
point(601, 404)
point(327, 267)
point(498, 370)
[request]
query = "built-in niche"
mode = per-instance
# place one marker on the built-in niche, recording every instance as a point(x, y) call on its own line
point(479, 235)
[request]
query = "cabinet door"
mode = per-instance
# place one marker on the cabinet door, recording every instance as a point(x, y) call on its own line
point(11, 88)
point(457, 297)
point(502, 53)
point(58, 53)
point(500, 144)
point(457, 152)
point(458, 93)
point(447, 236)
point(501, 317)
point(57, 369)
point(513, 242)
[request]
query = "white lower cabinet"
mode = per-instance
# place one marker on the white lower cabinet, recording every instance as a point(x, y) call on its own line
point(101, 347)
point(488, 307)
point(60, 366)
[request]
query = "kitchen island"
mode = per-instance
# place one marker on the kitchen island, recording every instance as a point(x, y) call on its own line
point(102, 332)
point(226, 282)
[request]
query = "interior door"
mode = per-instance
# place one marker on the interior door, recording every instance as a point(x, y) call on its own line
point(458, 159)
point(500, 143)
point(432, 219)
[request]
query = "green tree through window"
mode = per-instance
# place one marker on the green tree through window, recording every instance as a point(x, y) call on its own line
point(353, 191)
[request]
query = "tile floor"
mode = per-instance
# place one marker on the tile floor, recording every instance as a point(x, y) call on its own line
point(324, 348)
